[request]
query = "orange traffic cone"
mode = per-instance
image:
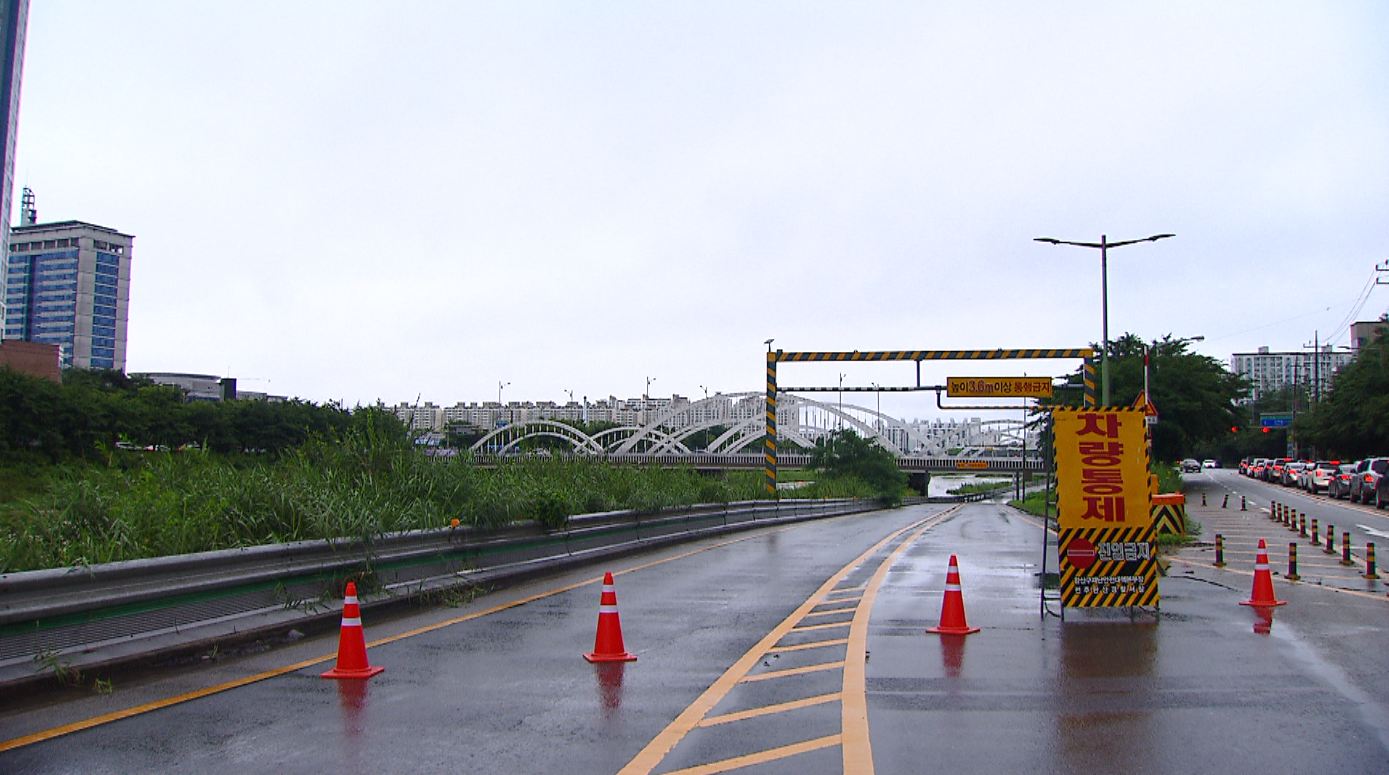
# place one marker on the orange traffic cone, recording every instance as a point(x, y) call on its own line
point(1263, 581)
point(352, 643)
point(952, 612)
point(607, 643)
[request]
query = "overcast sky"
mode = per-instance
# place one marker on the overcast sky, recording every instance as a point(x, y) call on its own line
point(362, 200)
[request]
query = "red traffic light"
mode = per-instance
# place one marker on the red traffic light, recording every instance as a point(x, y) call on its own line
point(1234, 429)
point(1266, 430)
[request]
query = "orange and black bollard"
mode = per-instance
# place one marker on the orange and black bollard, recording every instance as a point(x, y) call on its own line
point(1302, 525)
point(1219, 550)
point(1243, 504)
point(1370, 561)
point(1203, 498)
point(1345, 548)
point(1330, 539)
point(1292, 562)
point(1226, 502)
point(1316, 536)
point(1273, 510)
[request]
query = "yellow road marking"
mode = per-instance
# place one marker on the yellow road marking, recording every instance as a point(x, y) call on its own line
point(803, 646)
point(107, 718)
point(856, 745)
point(831, 611)
point(767, 710)
point(826, 626)
point(772, 754)
point(857, 594)
point(770, 674)
point(650, 756)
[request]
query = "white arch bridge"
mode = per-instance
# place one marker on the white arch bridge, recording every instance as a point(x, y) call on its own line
point(723, 431)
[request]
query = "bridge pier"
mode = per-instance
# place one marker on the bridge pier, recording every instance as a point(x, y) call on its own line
point(920, 481)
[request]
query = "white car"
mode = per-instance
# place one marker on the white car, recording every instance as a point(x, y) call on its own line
point(1209, 464)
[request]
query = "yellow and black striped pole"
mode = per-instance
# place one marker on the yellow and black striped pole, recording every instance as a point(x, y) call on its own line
point(1219, 550)
point(1316, 536)
point(1345, 548)
point(1088, 379)
point(1292, 562)
point(1370, 561)
point(1330, 539)
point(769, 444)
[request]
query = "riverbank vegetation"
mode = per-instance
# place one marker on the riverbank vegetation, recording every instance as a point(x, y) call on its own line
point(103, 468)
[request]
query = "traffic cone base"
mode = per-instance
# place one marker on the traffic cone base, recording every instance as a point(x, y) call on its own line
point(952, 612)
point(352, 643)
point(607, 642)
point(1262, 594)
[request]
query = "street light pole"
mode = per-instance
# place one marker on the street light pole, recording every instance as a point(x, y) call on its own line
point(501, 385)
point(1104, 245)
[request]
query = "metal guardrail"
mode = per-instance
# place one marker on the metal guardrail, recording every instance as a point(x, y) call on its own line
point(115, 612)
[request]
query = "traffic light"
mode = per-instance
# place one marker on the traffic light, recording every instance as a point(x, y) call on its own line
point(1234, 429)
point(1266, 430)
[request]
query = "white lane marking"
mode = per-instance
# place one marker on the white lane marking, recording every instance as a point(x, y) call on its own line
point(1373, 532)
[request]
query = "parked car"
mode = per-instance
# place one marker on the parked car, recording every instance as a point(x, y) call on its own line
point(1382, 493)
point(1340, 484)
point(1244, 464)
point(1317, 477)
point(1257, 468)
point(1208, 463)
point(1190, 466)
point(1364, 484)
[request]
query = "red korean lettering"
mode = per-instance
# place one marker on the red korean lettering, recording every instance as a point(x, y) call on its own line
point(1098, 424)
point(1101, 454)
point(1104, 508)
point(1101, 481)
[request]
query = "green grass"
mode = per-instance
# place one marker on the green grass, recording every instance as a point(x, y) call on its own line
point(138, 505)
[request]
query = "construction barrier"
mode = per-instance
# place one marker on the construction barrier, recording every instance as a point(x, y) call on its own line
point(1169, 513)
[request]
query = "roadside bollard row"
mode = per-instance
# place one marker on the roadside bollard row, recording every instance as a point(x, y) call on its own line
point(1296, 521)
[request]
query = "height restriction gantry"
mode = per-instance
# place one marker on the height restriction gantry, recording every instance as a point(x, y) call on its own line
point(779, 356)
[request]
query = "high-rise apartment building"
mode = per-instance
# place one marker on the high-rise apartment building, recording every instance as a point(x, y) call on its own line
point(14, 20)
point(1269, 372)
point(69, 285)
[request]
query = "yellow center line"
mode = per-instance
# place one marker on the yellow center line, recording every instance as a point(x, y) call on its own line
point(803, 646)
point(738, 762)
point(769, 675)
point(107, 718)
point(650, 756)
point(825, 626)
point(856, 745)
point(767, 710)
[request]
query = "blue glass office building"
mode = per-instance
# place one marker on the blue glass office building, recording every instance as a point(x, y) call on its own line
point(68, 283)
point(14, 20)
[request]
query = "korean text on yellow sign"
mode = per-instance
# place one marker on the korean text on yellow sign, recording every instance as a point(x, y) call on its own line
point(1101, 468)
point(998, 387)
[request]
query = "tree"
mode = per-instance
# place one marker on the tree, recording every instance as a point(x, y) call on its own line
point(1195, 395)
point(1353, 419)
point(845, 453)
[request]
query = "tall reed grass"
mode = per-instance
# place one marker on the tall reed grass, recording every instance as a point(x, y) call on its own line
point(360, 486)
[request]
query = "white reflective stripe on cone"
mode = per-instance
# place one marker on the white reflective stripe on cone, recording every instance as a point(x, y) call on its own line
point(356, 622)
point(952, 587)
point(607, 609)
point(609, 588)
point(352, 599)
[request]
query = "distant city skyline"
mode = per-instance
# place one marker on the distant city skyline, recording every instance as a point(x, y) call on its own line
point(434, 200)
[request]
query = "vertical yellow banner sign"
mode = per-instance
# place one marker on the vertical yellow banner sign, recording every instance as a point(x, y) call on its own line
point(1104, 508)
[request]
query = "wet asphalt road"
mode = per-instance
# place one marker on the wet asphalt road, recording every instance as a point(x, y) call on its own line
point(1207, 685)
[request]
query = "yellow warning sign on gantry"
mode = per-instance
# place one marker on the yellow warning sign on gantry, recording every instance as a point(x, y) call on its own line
point(998, 387)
